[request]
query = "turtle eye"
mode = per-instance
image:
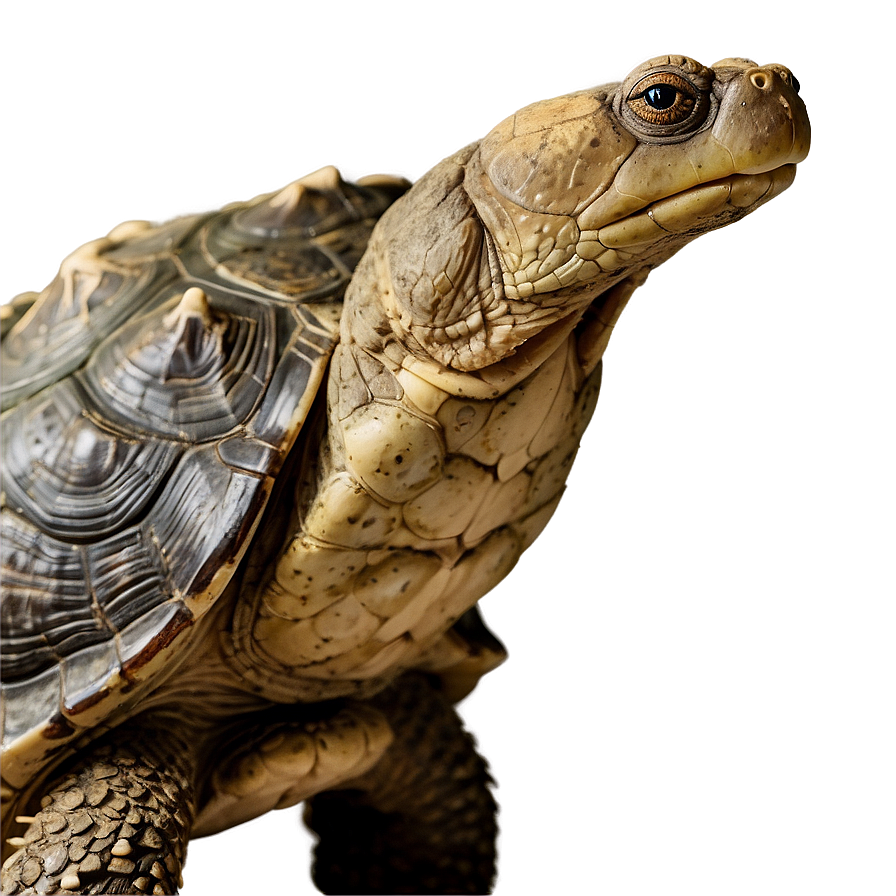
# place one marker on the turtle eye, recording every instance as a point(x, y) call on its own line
point(660, 97)
point(663, 99)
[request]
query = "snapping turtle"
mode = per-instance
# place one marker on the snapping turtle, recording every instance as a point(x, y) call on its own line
point(227, 589)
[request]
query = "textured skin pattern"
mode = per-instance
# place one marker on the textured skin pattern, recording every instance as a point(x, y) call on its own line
point(411, 522)
point(280, 759)
point(117, 824)
point(423, 820)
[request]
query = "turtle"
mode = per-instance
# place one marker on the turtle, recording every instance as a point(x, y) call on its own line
point(261, 464)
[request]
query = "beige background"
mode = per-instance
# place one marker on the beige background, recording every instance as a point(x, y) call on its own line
point(700, 692)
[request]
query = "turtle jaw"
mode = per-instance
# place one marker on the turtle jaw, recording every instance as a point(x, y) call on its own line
point(606, 264)
point(693, 211)
point(629, 246)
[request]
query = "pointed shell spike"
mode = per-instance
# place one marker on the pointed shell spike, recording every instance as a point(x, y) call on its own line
point(193, 303)
point(326, 178)
point(289, 197)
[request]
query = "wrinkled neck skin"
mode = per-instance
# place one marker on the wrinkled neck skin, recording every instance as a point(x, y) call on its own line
point(439, 294)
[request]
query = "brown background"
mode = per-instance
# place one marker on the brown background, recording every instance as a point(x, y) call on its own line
point(700, 692)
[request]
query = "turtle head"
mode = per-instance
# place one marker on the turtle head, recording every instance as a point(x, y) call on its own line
point(582, 191)
point(565, 206)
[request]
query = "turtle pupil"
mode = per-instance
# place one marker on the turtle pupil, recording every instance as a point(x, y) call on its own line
point(660, 97)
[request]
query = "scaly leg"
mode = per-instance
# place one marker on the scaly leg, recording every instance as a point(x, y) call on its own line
point(117, 823)
point(422, 820)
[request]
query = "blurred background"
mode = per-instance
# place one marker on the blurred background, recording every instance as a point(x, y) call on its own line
point(700, 692)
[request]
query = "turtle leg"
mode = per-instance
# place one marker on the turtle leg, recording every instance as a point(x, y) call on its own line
point(278, 758)
point(117, 823)
point(422, 820)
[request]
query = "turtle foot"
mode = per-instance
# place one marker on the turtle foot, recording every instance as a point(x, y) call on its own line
point(277, 762)
point(422, 820)
point(118, 823)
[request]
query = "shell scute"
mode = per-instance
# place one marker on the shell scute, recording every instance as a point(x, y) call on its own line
point(30, 703)
point(321, 202)
point(183, 374)
point(87, 675)
point(43, 594)
point(65, 599)
point(299, 243)
point(242, 452)
point(138, 242)
point(278, 412)
point(151, 394)
point(99, 286)
point(127, 573)
point(151, 633)
point(71, 477)
point(314, 271)
point(201, 521)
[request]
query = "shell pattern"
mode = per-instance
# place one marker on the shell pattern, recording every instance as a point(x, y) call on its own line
point(150, 396)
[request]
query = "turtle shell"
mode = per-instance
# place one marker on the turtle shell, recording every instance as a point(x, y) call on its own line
point(150, 396)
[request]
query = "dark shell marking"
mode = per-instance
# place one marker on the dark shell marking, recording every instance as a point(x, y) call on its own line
point(151, 395)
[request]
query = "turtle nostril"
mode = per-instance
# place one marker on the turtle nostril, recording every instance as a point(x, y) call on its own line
point(763, 78)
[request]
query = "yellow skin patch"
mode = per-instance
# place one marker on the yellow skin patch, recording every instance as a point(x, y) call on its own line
point(418, 512)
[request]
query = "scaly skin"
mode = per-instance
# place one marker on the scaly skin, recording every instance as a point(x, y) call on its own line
point(118, 823)
point(444, 823)
point(424, 506)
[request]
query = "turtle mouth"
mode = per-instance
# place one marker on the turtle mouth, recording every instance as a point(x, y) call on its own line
point(743, 192)
point(697, 209)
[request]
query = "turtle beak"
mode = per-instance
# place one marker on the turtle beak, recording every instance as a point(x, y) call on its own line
point(778, 133)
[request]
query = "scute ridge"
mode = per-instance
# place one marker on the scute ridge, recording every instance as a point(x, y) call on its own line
point(151, 393)
point(71, 477)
